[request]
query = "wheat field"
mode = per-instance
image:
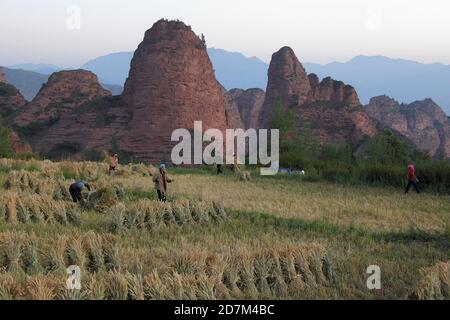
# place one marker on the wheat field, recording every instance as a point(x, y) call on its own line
point(217, 237)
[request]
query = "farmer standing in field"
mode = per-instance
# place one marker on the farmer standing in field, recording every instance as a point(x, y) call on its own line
point(76, 188)
point(161, 180)
point(412, 179)
point(114, 163)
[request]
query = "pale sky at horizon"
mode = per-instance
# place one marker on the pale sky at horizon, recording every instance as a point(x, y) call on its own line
point(319, 31)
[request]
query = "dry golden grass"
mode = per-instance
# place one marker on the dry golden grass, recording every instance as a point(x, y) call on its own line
point(373, 208)
point(435, 283)
point(216, 237)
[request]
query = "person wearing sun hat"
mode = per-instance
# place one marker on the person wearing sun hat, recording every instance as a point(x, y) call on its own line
point(161, 180)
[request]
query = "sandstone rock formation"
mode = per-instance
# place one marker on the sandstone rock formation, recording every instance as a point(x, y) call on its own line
point(64, 91)
point(234, 119)
point(330, 109)
point(90, 128)
point(249, 104)
point(287, 82)
point(332, 90)
point(422, 123)
point(171, 84)
point(2, 77)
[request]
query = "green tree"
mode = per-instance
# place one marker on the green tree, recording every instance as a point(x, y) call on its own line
point(298, 148)
point(283, 119)
point(5, 142)
point(385, 149)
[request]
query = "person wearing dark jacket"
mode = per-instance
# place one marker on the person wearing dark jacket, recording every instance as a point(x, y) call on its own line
point(76, 188)
point(412, 179)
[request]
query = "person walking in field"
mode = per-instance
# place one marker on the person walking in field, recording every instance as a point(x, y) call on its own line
point(161, 180)
point(76, 188)
point(114, 163)
point(412, 179)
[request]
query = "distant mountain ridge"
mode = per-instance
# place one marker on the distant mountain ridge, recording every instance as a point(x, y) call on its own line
point(404, 80)
point(41, 68)
point(112, 68)
point(30, 82)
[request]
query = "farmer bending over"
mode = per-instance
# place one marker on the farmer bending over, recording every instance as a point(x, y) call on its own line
point(76, 188)
point(412, 179)
point(161, 180)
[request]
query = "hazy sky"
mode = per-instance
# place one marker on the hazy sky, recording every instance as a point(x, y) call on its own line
point(46, 31)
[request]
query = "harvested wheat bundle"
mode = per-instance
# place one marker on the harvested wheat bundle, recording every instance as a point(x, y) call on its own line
point(94, 287)
point(11, 247)
point(153, 215)
point(30, 256)
point(182, 212)
point(94, 248)
point(76, 253)
point(120, 191)
point(102, 199)
point(50, 169)
point(434, 284)
point(117, 286)
point(155, 288)
point(244, 175)
point(123, 171)
point(44, 287)
point(61, 192)
point(10, 201)
point(206, 288)
point(247, 274)
point(239, 274)
point(111, 253)
point(74, 217)
point(199, 211)
point(55, 255)
point(135, 286)
point(66, 294)
point(43, 209)
point(22, 180)
point(143, 170)
point(23, 215)
point(91, 170)
point(189, 262)
point(35, 209)
point(117, 218)
point(10, 289)
point(215, 268)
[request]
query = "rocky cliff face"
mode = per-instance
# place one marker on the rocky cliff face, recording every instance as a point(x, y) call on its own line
point(329, 108)
point(249, 105)
point(333, 91)
point(18, 145)
point(287, 83)
point(2, 77)
point(11, 99)
point(64, 91)
point(90, 128)
point(171, 84)
point(64, 117)
point(422, 123)
point(234, 119)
